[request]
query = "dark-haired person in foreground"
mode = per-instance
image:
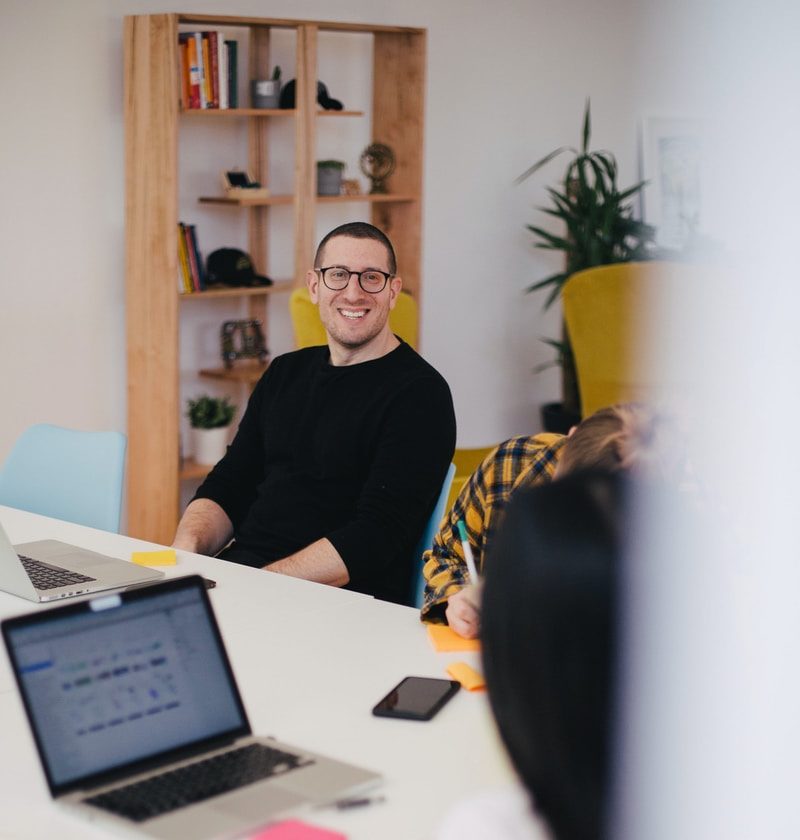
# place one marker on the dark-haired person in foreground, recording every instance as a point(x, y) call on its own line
point(342, 450)
point(620, 437)
point(549, 642)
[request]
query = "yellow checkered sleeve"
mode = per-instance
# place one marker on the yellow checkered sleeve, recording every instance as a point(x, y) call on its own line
point(521, 461)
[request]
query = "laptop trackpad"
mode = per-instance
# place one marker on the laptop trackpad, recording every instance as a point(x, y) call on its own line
point(259, 801)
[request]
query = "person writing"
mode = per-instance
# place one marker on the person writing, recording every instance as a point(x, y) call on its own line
point(342, 449)
point(618, 437)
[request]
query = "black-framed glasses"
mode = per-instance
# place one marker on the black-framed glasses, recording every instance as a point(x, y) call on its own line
point(336, 278)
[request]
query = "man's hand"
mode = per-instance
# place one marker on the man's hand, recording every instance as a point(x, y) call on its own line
point(463, 612)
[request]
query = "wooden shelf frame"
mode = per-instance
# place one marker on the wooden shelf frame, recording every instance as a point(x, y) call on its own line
point(152, 115)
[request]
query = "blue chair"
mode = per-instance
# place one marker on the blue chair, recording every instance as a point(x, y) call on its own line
point(67, 474)
point(426, 540)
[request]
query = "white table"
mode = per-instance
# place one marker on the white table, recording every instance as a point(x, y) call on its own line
point(311, 661)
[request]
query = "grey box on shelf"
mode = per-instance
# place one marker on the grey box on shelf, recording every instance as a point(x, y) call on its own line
point(265, 93)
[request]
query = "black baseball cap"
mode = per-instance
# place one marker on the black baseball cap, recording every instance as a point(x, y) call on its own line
point(232, 267)
point(287, 99)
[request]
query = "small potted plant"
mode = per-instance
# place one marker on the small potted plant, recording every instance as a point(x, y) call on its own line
point(329, 177)
point(210, 419)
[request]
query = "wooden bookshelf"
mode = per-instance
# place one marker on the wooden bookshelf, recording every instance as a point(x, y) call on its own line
point(152, 146)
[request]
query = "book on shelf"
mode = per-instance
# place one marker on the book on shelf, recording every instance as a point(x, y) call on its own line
point(207, 87)
point(191, 273)
point(184, 69)
point(233, 74)
point(209, 70)
point(184, 272)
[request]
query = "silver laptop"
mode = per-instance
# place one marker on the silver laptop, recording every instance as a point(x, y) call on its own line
point(48, 570)
point(138, 720)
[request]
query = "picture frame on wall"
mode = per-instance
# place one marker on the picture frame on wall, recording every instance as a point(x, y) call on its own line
point(671, 153)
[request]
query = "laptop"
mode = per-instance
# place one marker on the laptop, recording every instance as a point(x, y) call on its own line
point(48, 570)
point(139, 723)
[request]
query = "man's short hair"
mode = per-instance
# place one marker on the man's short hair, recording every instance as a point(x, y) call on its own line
point(359, 230)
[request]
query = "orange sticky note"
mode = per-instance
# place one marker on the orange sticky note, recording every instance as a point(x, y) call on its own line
point(446, 640)
point(466, 675)
point(165, 557)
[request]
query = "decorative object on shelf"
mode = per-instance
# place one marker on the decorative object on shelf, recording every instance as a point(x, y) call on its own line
point(288, 97)
point(210, 419)
point(329, 177)
point(377, 162)
point(266, 93)
point(242, 340)
point(351, 186)
point(232, 267)
point(238, 184)
point(600, 230)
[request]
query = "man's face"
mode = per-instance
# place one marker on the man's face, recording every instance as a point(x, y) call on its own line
point(352, 317)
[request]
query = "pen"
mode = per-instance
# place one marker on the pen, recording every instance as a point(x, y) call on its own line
point(462, 533)
point(344, 804)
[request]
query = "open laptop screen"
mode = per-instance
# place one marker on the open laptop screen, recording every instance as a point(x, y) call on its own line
point(123, 678)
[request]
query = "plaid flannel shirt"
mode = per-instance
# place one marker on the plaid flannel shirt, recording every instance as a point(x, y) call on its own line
point(521, 461)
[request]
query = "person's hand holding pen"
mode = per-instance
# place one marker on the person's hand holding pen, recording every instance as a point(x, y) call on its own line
point(463, 611)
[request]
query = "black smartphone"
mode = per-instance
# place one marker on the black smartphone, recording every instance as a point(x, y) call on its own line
point(416, 698)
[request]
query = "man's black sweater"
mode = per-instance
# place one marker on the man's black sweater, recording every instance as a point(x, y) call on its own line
point(355, 453)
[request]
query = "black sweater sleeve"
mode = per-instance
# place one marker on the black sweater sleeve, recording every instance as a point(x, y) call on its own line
point(234, 481)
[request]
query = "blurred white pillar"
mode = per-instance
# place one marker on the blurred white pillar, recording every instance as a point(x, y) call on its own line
point(710, 729)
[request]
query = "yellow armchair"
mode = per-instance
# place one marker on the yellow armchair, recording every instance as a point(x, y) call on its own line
point(308, 329)
point(607, 311)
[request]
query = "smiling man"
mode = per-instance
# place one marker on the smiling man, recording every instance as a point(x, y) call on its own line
point(342, 450)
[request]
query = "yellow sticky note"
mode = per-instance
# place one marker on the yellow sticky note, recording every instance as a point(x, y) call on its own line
point(165, 557)
point(446, 640)
point(467, 676)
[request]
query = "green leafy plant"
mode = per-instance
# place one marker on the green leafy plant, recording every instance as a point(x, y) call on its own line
point(600, 229)
point(276, 73)
point(210, 412)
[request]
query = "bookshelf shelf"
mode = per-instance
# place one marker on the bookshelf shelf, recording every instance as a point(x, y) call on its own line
point(244, 372)
point(371, 199)
point(255, 291)
point(288, 199)
point(162, 137)
point(216, 113)
point(246, 202)
point(191, 470)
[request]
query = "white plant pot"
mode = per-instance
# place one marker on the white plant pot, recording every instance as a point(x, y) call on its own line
point(210, 444)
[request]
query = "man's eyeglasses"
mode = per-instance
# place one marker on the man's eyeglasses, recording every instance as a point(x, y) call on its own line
point(336, 278)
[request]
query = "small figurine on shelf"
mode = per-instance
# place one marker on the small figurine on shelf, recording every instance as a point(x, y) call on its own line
point(377, 163)
point(242, 340)
point(238, 185)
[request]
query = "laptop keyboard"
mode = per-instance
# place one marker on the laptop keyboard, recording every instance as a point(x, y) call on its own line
point(44, 576)
point(195, 782)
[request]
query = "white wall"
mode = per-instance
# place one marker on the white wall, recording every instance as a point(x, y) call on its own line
point(506, 84)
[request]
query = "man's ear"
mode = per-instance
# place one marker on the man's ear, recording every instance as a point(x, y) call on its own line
point(395, 285)
point(312, 282)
